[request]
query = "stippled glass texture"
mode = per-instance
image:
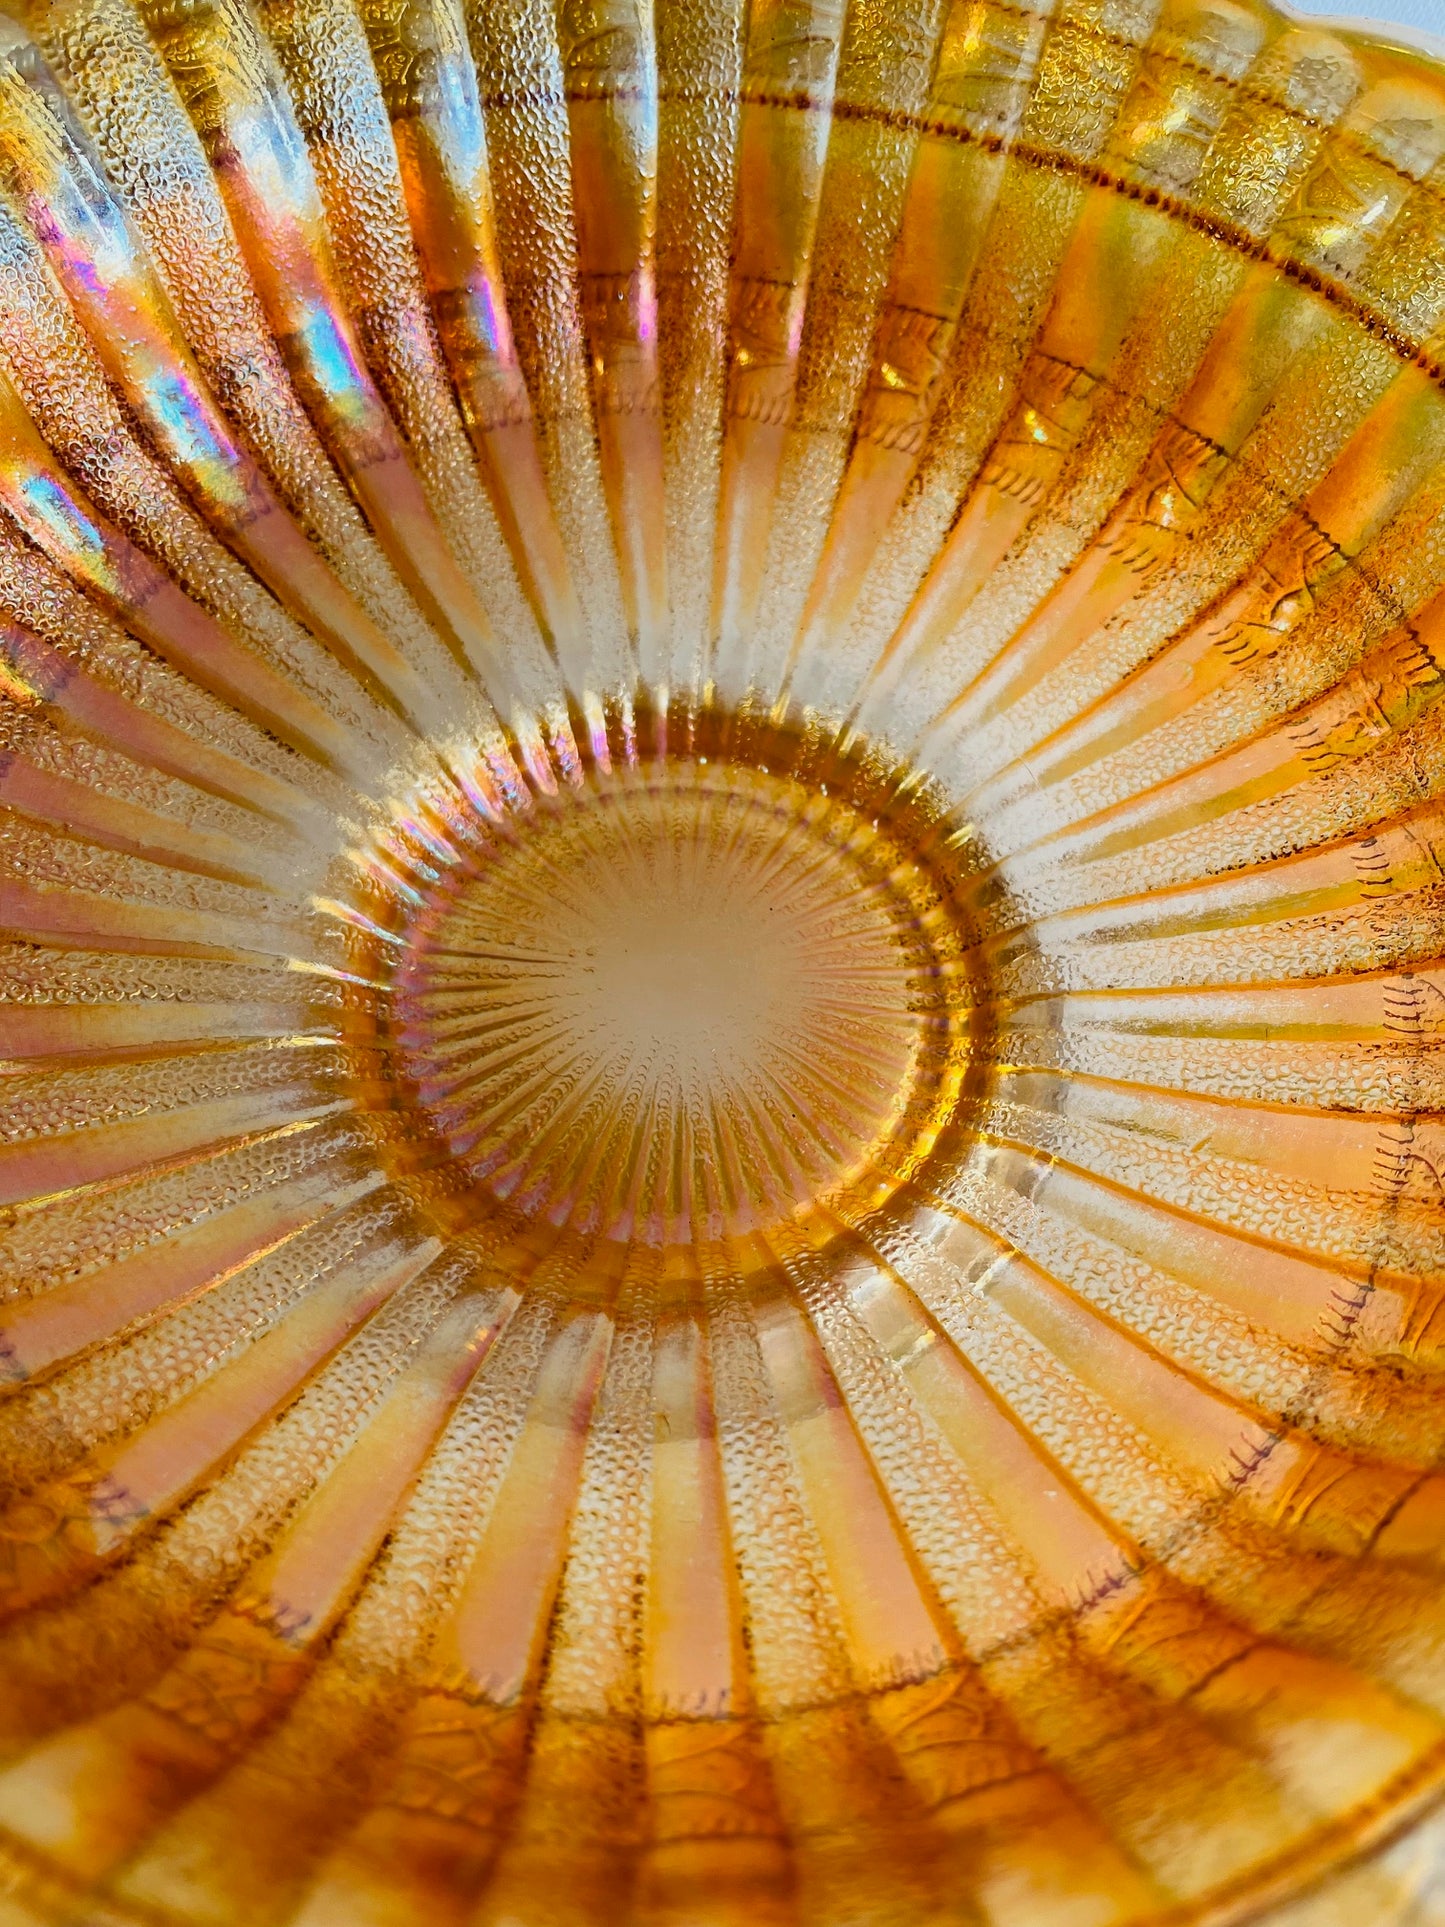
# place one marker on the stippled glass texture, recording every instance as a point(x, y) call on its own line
point(722, 965)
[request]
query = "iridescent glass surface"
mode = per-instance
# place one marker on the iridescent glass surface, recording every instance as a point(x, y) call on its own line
point(722, 965)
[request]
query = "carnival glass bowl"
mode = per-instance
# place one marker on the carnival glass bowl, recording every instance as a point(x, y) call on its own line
point(722, 965)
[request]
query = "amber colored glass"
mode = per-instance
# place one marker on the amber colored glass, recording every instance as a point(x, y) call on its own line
point(722, 965)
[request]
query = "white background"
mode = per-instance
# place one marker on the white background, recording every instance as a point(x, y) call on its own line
point(1427, 14)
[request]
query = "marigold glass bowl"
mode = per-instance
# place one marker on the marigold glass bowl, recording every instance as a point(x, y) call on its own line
point(722, 845)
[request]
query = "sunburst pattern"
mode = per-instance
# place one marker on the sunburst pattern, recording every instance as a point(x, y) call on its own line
point(722, 845)
point(675, 1004)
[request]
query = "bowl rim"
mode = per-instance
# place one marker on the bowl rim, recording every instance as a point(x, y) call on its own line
point(1391, 34)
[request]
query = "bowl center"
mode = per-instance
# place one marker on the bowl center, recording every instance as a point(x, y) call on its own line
point(681, 1001)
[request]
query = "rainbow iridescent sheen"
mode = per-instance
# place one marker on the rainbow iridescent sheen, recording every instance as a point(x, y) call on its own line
point(722, 965)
